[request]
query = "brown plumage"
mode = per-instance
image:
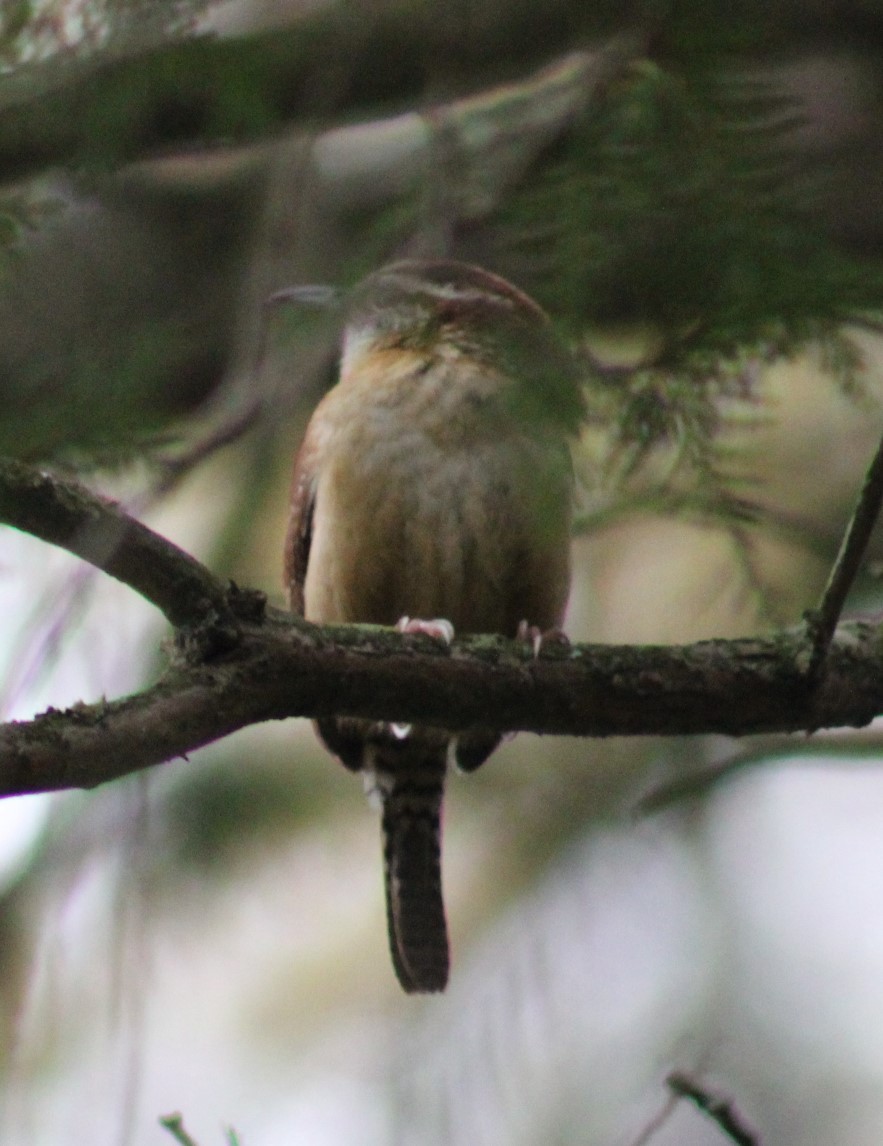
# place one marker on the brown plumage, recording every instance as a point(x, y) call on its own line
point(434, 480)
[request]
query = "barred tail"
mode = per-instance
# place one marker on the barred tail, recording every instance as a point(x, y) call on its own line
point(415, 912)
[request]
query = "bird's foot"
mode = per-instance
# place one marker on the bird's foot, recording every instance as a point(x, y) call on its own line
point(535, 636)
point(439, 628)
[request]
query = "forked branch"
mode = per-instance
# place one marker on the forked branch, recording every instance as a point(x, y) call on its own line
point(236, 664)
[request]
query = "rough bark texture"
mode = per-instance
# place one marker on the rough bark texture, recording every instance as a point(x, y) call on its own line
point(284, 667)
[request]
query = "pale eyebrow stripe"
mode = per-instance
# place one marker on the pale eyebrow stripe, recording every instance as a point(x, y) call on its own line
point(413, 284)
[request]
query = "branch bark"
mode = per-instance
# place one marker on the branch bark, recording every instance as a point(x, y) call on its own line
point(66, 514)
point(236, 663)
point(203, 91)
point(721, 1111)
point(823, 622)
point(284, 667)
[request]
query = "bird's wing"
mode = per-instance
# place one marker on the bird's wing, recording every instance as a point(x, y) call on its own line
point(300, 525)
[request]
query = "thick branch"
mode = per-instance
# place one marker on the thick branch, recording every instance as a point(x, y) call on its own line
point(284, 667)
point(338, 58)
point(237, 666)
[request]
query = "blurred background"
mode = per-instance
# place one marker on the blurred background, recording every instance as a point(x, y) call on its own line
point(694, 193)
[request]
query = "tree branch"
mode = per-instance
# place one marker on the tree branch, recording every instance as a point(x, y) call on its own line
point(66, 514)
point(284, 667)
point(235, 664)
point(823, 621)
point(720, 1110)
point(202, 91)
point(846, 750)
point(174, 1123)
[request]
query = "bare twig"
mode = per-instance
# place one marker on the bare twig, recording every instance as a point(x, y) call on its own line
point(696, 783)
point(42, 632)
point(761, 751)
point(657, 1122)
point(174, 1123)
point(224, 432)
point(823, 621)
point(720, 1110)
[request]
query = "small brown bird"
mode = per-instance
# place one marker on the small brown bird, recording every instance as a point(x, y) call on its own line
point(434, 481)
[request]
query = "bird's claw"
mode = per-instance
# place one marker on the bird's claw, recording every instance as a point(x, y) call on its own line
point(535, 636)
point(439, 628)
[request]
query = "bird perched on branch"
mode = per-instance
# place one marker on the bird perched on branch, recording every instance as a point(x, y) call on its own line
point(434, 481)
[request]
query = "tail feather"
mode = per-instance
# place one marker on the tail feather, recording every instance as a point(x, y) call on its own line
point(412, 800)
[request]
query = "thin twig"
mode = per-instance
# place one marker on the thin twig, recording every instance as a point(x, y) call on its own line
point(657, 1122)
point(767, 750)
point(232, 427)
point(174, 1123)
point(823, 621)
point(720, 1110)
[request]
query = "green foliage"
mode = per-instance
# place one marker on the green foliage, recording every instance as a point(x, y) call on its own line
point(13, 19)
point(24, 209)
point(96, 409)
point(677, 200)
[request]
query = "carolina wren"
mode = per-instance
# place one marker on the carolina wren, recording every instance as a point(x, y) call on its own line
point(434, 480)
